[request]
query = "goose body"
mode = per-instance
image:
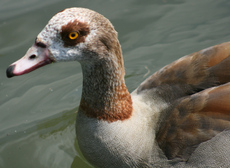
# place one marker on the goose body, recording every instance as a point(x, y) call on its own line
point(166, 118)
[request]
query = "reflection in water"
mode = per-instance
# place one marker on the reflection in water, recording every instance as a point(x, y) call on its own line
point(52, 144)
point(78, 161)
point(57, 124)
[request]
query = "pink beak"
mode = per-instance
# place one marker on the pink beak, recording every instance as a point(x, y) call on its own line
point(36, 57)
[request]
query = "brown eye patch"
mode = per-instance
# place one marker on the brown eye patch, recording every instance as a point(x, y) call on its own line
point(80, 28)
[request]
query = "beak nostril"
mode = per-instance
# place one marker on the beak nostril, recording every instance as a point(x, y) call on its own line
point(32, 56)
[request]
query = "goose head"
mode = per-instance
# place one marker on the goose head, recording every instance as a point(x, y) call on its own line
point(73, 34)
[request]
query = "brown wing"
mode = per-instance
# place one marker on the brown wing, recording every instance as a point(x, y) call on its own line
point(195, 119)
point(192, 73)
point(197, 88)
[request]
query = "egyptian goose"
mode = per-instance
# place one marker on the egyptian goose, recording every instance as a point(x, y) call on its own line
point(170, 114)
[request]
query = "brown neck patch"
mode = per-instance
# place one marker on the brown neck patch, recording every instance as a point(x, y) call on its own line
point(81, 28)
point(118, 106)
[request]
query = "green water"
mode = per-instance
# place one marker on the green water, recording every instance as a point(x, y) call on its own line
point(37, 110)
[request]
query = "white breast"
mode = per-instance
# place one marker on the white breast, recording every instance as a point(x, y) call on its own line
point(123, 143)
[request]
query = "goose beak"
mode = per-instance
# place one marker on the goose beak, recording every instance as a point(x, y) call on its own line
point(35, 58)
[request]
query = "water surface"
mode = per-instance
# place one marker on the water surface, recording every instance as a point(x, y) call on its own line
point(38, 110)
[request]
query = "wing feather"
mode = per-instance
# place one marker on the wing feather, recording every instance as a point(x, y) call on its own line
point(193, 73)
point(198, 93)
point(195, 119)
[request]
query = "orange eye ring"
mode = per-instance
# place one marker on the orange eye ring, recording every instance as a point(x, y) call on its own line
point(73, 35)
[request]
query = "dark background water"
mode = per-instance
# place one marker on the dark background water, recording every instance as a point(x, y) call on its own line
point(37, 110)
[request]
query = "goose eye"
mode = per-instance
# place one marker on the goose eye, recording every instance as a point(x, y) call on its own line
point(73, 35)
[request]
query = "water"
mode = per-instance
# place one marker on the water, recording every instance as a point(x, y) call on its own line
point(37, 110)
